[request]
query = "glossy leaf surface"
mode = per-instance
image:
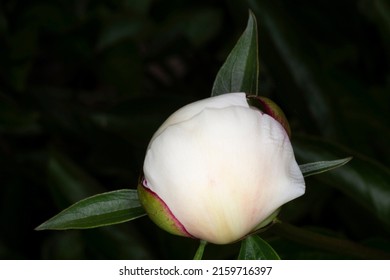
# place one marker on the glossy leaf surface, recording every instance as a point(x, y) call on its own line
point(318, 167)
point(255, 248)
point(240, 71)
point(100, 210)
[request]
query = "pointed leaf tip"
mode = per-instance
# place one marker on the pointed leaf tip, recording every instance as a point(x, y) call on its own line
point(240, 71)
point(318, 167)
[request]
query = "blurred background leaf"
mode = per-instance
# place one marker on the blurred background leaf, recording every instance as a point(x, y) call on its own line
point(84, 84)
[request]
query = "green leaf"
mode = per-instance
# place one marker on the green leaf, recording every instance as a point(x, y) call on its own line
point(240, 71)
point(363, 179)
point(318, 167)
point(99, 210)
point(255, 248)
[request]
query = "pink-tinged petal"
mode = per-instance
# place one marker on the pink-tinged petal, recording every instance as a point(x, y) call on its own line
point(223, 171)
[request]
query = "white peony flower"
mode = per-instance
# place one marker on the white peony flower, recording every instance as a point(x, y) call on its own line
point(217, 168)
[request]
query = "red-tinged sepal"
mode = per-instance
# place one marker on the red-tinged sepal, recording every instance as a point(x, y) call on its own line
point(158, 211)
point(267, 106)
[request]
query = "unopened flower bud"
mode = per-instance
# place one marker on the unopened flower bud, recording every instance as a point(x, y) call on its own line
point(217, 168)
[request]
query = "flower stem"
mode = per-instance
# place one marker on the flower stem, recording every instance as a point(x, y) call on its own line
point(199, 252)
point(331, 244)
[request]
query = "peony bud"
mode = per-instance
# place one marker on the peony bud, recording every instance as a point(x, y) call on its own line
point(216, 169)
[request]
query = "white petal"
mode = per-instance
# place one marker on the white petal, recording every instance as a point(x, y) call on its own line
point(223, 171)
point(192, 109)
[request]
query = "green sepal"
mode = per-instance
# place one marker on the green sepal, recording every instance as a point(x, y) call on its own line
point(159, 212)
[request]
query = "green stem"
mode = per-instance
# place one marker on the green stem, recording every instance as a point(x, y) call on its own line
point(199, 252)
point(331, 244)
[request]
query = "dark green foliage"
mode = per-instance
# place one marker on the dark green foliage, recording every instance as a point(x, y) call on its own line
point(84, 84)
